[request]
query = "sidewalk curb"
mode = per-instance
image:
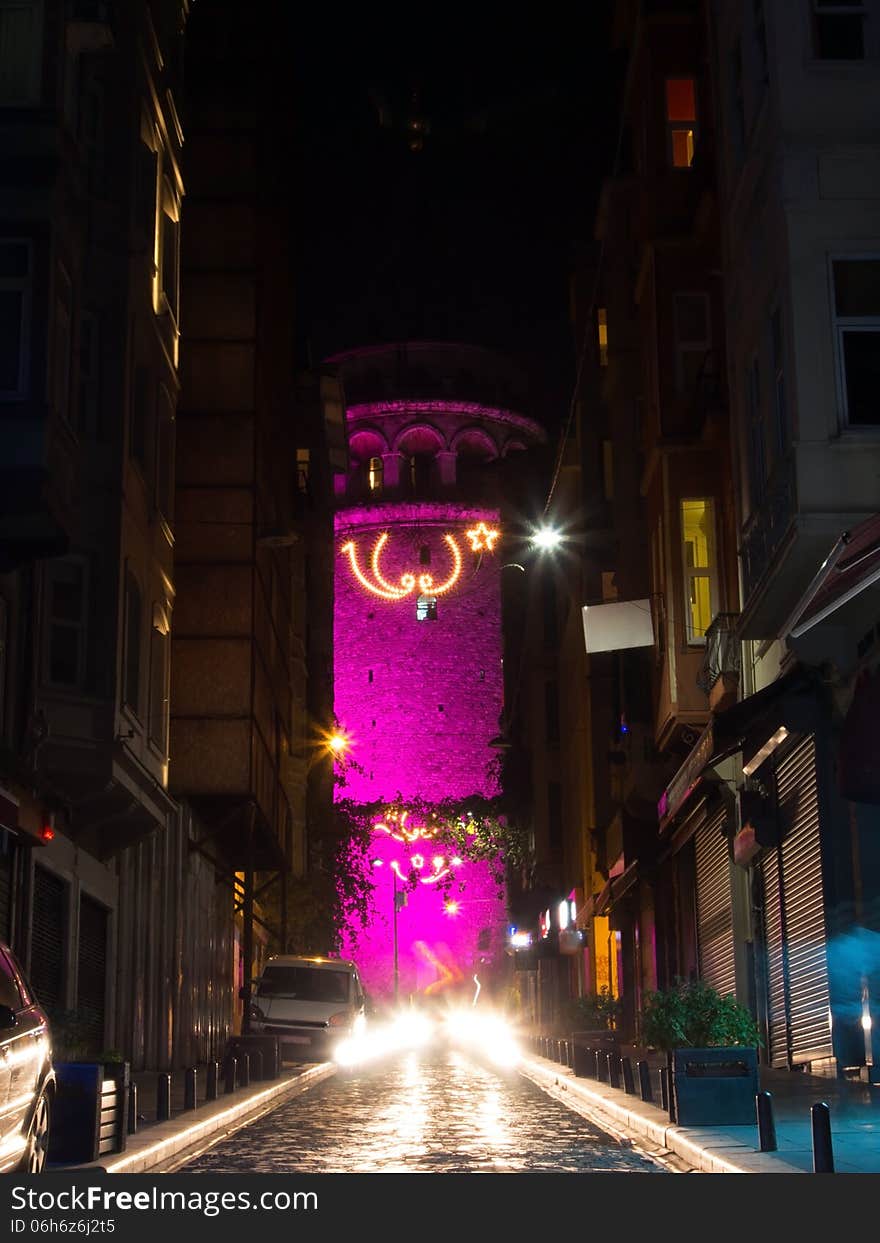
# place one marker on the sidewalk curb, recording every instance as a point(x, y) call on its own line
point(649, 1122)
point(156, 1145)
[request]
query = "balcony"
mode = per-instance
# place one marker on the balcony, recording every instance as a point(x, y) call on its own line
point(766, 527)
point(720, 672)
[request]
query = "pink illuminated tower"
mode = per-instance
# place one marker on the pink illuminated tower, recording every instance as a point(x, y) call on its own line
point(419, 551)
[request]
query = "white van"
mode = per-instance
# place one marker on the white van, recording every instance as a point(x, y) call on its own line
point(312, 1004)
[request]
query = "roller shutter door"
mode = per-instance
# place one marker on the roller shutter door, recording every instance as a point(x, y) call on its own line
point(714, 913)
point(47, 938)
point(803, 905)
point(91, 975)
point(774, 960)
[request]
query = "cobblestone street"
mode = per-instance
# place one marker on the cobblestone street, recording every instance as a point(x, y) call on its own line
point(428, 1112)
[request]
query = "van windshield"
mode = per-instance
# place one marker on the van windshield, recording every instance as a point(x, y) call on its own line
point(304, 983)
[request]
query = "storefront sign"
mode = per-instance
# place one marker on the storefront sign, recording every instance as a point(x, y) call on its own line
point(688, 775)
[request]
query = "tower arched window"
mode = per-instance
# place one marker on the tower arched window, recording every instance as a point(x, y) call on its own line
point(375, 474)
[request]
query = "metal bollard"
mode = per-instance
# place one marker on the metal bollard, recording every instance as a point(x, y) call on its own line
point(613, 1069)
point(766, 1125)
point(601, 1066)
point(132, 1108)
point(566, 1053)
point(231, 1074)
point(212, 1081)
point(190, 1088)
point(626, 1074)
point(244, 1066)
point(163, 1097)
point(645, 1082)
point(257, 1063)
point(664, 1087)
point(823, 1155)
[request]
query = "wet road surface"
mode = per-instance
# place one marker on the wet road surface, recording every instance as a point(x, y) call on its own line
point(427, 1112)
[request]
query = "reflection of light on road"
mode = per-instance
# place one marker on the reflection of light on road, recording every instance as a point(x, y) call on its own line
point(493, 1126)
point(484, 1032)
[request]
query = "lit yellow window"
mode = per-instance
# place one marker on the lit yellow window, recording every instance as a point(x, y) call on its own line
point(602, 329)
point(698, 542)
point(374, 474)
point(681, 120)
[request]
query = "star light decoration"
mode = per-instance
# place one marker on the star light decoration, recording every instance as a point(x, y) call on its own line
point(398, 830)
point(482, 538)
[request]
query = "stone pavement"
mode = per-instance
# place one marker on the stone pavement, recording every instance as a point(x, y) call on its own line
point(854, 1111)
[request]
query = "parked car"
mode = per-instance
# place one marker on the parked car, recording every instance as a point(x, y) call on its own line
point(312, 1004)
point(27, 1080)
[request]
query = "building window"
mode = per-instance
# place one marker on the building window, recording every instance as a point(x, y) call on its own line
point(142, 397)
point(15, 301)
point(757, 457)
point(21, 52)
point(375, 474)
point(66, 617)
point(608, 470)
point(426, 608)
point(602, 335)
point(693, 341)
point(857, 336)
point(61, 345)
point(554, 815)
point(165, 455)
point(681, 121)
point(838, 30)
point(158, 722)
point(420, 472)
point(302, 469)
point(551, 713)
point(88, 418)
point(131, 681)
point(170, 250)
point(777, 358)
point(424, 555)
point(698, 544)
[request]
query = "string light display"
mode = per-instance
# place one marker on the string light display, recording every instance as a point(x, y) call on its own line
point(482, 539)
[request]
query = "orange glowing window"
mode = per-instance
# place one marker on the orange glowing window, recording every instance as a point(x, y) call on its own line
point(681, 120)
point(602, 333)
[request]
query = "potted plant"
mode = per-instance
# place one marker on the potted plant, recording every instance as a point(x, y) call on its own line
point(91, 1107)
point(711, 1043)
point(591, 1020)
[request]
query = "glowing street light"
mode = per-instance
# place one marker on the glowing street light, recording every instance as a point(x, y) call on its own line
point(546, 539)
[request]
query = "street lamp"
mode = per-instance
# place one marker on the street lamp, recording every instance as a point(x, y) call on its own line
point(399, 901)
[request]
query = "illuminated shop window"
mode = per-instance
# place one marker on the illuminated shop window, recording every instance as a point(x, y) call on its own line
point(375, 472)
point(602, 334)
point(681, 120)
point(698, 541)
point(426, 608)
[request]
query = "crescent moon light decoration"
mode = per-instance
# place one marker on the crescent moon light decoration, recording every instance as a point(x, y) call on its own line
point(379, 585)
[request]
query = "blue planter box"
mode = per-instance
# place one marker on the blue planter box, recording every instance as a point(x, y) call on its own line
point(715, 1087)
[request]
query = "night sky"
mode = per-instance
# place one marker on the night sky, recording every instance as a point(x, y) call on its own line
point(470, 238)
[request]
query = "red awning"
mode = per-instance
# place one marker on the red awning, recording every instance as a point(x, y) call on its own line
point(857, 568)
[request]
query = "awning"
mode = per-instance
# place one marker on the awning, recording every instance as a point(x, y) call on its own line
point(725, 734)
point(856, 569)
point(8, 810)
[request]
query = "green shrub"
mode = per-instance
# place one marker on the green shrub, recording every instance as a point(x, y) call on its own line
point(693, 1015)
point(592, 1012)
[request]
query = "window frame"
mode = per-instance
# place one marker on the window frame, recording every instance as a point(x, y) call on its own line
point(672, 126)
point(426, 608)
point(33, 93)
point(161, 626)
point(709, 572)
point(25, 286)
point(134, 709)
point(841, 324)
point(51, 571)
point(703, 348)
point(857, 8)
